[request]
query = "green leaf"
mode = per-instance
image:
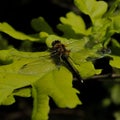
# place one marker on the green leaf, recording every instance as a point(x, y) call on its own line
point(39, 71)
point(115, 43)
point(115, 27)
point(95, 9)
point(9, 100)
point(58, 85)
point(11, 77)
point(87, 70)
point(72, 25)
point(115, 62)
point(115, 94)
point(106, 102)
point(72, 44)
point(40, 104)
point(9, 81)
point(100, 30)
point(7, 90)
point(23, 92)
point(3, 43)
point(117, 115)
point(6, 28)
point(114, 4)
point(115, 47)
point(40, 25)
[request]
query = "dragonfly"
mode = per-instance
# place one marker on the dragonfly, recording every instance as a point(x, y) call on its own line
point(59, 55)
point(55, 57)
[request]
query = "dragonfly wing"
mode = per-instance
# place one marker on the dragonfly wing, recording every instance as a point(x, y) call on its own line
point(38, 67)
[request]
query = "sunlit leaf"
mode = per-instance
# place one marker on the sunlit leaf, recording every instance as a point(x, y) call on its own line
point(58, 85)
point(40, 104)
point(87, 70)
point(23, 92)
point(95, 9)
point(6, 28)
point(35, 74)
point(72, 25)
point(115, 23)
point(115, 62)
point(9, 100)
point(36, 69)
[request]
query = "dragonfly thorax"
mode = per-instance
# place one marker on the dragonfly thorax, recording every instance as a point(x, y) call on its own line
point(59, 49)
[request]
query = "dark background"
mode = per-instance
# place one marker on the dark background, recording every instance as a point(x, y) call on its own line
point(19, 13)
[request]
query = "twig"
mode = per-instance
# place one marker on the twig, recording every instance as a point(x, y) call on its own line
point(110, 77)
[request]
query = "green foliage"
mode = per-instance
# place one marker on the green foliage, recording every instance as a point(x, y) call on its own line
point(115, 94)
point(117, 115)
point(6, 28)
point(72, 26)
point(39, 24)
point(95, 9)
point(35, 74)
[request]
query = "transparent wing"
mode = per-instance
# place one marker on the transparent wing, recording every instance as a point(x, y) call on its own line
point(38, 67)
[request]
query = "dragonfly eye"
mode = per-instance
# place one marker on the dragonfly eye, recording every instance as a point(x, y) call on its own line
point(55, 42)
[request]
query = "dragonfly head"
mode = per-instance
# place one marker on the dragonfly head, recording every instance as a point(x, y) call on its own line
point(56, 42)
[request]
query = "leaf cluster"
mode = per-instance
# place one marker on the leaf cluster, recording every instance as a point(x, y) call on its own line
point(35, 74)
